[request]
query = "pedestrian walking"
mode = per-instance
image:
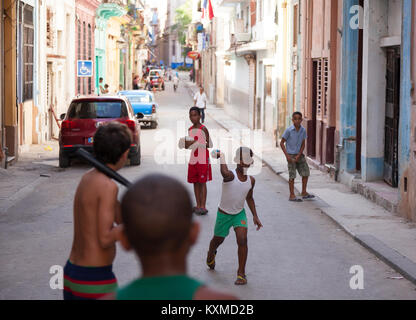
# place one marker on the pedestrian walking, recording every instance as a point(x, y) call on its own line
point(101, 89)
point(293, 144)
point(136, 83)
point(175, 82)
point(199, 168)
point(237, 188)
point(88, 274)
point(200, 101)
point(161, 233)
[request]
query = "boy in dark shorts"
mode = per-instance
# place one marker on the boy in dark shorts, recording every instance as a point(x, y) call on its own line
point(295, 139)
point(237, 188)
point(158, 226)
point(88, 273)
point(199, 168)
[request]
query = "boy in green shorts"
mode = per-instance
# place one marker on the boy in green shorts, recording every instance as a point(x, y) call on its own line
point(237, 188)
point(295, 139)
point(158, 226)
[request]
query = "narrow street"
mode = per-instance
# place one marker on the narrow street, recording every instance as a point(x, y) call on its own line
point(299, 254)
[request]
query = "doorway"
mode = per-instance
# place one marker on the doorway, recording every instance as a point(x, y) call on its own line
point(391, 129)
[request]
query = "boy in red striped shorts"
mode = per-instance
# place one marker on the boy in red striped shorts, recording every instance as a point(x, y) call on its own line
point(88, 273)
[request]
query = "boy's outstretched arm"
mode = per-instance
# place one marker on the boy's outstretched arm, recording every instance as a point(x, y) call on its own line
point(226, 174)
point(252, 205)
point(106, 211)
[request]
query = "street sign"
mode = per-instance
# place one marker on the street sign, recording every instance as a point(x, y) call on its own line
point(84, 68)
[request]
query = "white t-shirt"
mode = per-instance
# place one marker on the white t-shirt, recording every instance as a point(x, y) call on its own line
point(201, 99)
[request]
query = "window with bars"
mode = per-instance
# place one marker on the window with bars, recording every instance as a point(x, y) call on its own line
point(89, 56)
point(28, 52)
point(295, 24)
point(49, 29)
point(322, 85)
point(326, 85)
point(79, 55)
point(84, 53)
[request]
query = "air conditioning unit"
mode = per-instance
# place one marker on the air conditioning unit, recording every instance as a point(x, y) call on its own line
point(242, 37)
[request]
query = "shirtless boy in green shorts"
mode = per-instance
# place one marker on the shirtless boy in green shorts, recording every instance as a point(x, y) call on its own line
point(237, 188)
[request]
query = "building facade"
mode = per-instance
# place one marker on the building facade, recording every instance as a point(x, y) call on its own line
point(85, 42)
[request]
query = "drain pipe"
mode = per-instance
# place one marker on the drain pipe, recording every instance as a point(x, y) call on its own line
point(339, 150)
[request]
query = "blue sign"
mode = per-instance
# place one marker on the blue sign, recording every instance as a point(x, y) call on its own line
point(84, 68)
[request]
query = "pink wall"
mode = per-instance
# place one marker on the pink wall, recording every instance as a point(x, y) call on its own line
point(85, 12)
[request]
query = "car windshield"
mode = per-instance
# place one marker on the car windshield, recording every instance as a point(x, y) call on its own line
point(140, 99)
point(97, 110)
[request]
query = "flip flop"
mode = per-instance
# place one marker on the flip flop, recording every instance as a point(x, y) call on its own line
point(241, 280)
point(204, 211)
point(309, 196)
point(296, 200)
point(211, 264)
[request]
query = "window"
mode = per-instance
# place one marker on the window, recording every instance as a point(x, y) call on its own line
point(322, 84)
point(295, 25)
point(89, 56)
point(79, 55)
point(28, 51)
point(84, 53)
point(49, 31)
point(98, 110)
point(268, 72)
point(173, 48)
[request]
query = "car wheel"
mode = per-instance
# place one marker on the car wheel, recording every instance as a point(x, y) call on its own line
point(153, 125)
point(64, 161)
point(135, 159)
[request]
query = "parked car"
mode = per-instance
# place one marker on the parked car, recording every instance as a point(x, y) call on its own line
point(156, 79)
point(144, 106)
point(83, 118)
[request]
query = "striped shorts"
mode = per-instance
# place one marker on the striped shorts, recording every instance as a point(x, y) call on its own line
point(88, 283)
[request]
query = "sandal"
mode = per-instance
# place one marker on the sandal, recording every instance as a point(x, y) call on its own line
point(211, 264)
point(241, 280)
point(296, 200)
point(308, 196)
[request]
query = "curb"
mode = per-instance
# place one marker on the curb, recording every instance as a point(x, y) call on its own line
point(391, 257)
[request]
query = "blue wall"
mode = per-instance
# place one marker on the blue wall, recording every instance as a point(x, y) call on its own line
point(348, 116)
point(406, 87)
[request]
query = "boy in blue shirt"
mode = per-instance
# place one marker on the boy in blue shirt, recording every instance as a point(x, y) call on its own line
point(295, 139)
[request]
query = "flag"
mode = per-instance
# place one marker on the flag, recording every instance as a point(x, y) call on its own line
point(211, 11)
point(204, 7)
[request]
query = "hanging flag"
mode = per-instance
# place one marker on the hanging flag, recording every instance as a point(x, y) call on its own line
point(204, 8)
point(211, 11)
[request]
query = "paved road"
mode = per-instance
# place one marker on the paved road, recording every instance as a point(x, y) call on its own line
point(299, 254)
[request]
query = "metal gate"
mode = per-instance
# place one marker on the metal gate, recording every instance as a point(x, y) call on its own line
point(391, 150)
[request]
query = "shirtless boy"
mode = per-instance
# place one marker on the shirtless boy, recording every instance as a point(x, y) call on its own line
point(88, 273)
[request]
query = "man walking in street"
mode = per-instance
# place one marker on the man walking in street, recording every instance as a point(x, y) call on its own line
point(200, 101)
point(295, 139)
point(88, 273)
point(237, 188)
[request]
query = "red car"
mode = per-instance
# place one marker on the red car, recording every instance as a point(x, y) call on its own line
point(83, 118)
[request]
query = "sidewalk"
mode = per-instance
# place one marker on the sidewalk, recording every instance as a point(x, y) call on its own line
point(21, 178)
point(391, 238)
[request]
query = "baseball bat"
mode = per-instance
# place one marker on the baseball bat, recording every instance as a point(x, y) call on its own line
point(102, 167)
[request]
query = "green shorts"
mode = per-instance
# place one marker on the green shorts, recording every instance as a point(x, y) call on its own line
point(301, 166)
point(225, 221)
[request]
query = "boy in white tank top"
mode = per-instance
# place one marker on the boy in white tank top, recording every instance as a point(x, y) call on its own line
point(237, 188)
